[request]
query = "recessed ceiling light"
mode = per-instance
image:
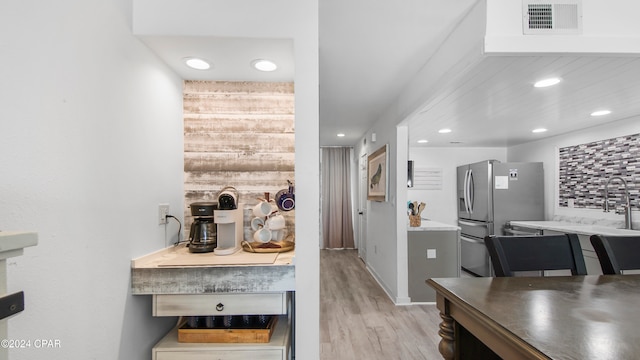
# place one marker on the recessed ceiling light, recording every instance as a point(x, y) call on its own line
point(601, 112)
point(264, 65)
point(197, 63)
point(423, 141)
point(444, 131)
point(546, 82)
point(538, 130)
point(340, 135)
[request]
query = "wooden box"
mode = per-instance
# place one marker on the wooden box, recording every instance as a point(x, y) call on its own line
point(249, 334)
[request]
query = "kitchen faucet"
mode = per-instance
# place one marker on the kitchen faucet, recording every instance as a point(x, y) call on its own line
point(627, 206)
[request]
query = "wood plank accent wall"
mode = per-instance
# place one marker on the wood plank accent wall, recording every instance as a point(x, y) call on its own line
point(238, 134)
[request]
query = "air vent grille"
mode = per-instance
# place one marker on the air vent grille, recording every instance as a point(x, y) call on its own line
point(540, 16)
point(552, 16)
point(566, 16)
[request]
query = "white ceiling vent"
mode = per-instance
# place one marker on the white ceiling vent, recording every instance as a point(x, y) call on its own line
point(551, 17)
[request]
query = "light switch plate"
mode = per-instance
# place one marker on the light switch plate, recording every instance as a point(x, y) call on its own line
point(431, 253)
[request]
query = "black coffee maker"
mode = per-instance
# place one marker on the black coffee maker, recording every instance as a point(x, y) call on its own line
point(202, 236)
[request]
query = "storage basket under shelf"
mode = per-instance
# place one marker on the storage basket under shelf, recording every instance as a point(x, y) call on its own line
point(237, 334)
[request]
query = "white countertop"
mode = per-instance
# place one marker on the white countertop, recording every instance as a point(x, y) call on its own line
point(568, 227)
point(430, 225)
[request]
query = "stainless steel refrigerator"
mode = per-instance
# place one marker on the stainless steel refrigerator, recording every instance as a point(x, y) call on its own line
point(490, 194)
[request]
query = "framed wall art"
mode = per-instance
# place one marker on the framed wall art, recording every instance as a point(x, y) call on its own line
point(378, 174)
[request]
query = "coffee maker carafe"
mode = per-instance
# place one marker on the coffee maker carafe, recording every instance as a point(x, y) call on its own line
point(202, 236)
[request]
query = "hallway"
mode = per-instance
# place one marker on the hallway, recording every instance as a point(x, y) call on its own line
point(359, 321)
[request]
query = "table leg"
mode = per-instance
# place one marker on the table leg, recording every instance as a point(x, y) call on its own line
point(447, 344)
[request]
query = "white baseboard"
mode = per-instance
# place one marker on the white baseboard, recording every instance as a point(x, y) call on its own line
point(395, 300)
point(379, 281)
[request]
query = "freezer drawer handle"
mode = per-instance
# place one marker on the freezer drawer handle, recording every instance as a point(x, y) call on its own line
point(464, 238)
point(466, 223)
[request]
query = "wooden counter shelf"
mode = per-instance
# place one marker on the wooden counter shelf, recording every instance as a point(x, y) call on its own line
point(154, 273)
point(244, 283)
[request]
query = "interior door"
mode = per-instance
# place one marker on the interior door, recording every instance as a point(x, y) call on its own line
point(362, 208)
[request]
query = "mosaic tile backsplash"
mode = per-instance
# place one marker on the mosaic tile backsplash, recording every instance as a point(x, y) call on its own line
point(584, 170)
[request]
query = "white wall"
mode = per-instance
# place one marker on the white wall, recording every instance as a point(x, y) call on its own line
point(402, 260)
point(441, 204)
point(91, 142)
point(307, 336)
point(381, 243)
point(546, 150)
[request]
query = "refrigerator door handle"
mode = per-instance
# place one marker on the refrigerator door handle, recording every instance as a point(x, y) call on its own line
point(464, 191)
point(466, 188)
point(470, 191)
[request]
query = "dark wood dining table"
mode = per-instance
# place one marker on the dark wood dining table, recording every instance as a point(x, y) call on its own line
point(564, 317)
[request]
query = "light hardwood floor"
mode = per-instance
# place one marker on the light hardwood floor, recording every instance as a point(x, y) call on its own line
point(359, 321)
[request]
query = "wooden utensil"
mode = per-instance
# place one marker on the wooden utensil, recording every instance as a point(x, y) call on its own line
point(420, 208)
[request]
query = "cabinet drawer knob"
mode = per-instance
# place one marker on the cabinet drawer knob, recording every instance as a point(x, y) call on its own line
point(220, 307)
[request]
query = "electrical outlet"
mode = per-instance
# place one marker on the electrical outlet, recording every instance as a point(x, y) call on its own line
point(431, 253)
point(163, 211)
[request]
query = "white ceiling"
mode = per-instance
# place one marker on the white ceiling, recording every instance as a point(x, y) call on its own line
point(369, 51)
point(231, 57)
point(497, 104)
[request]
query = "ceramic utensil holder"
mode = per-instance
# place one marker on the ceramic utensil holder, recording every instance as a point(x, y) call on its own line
point(414, 220)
